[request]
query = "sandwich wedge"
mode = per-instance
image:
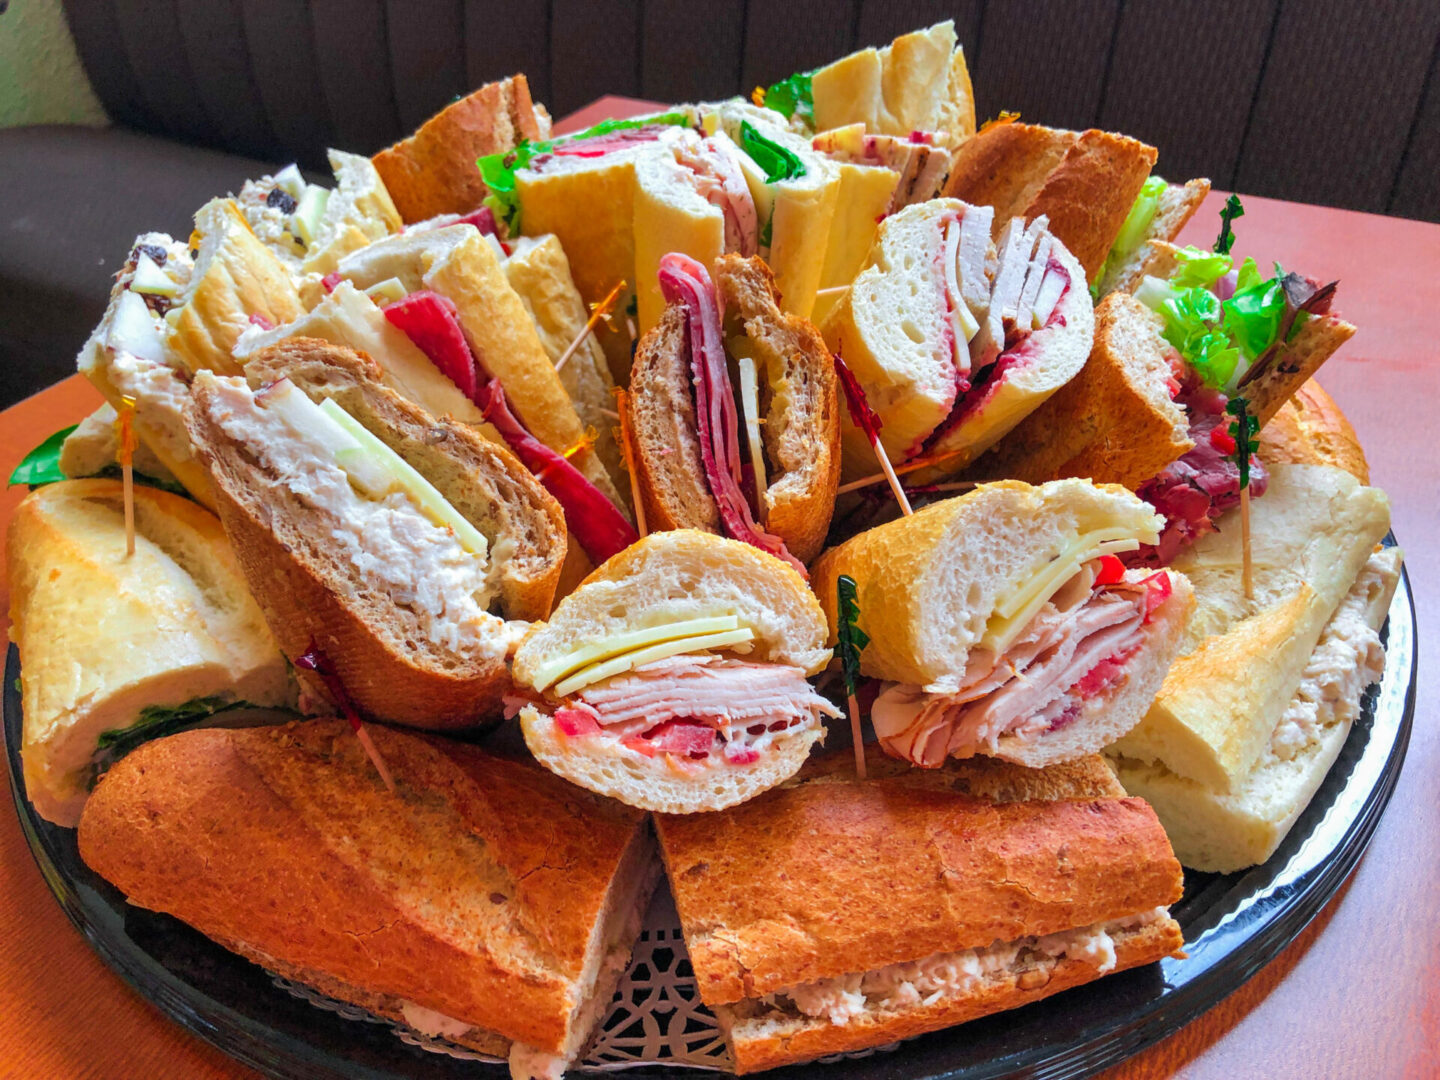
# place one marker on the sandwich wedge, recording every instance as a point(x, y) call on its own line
point(433, 171)
point(1002, 623)
point(118, 649)
point(674, 678)
point(954, 340)
point(687, 429)
point(1255, 710)
point(397, 544)
point(833, 914)
point(482, 901)
point(1084, 182)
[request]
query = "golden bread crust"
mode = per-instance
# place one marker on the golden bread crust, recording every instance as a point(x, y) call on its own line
point(445, 894)
point(433, 171)
point(1310, 429)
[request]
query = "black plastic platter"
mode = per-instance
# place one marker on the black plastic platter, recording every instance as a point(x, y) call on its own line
point(1234, 925)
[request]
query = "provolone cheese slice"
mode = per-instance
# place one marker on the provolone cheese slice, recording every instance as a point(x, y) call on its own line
point(616, 644)
point(1018, 607)
point(614, 666)
point(750, 406)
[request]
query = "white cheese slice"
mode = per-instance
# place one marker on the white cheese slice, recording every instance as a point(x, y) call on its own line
point(388, 291)
point(750, 405)
point(1015, 610)
point(616, 644)
point(614, 666)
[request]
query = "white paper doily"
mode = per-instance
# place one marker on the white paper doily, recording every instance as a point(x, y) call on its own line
point(656, 1017)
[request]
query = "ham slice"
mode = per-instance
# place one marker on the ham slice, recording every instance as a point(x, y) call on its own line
point(684, 281)
point(686, 704)
point(720, 182)
point(1075, 647)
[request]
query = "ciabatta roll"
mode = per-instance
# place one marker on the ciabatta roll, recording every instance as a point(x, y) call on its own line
point(482, 900)
point(687, 427)
point(396, 543)
point(674, 678)
point(1002, 623)
point(954, 340)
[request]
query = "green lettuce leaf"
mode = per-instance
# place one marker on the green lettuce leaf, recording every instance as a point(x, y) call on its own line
point(793, 97)
point(1193, 327)
point(42, 465)
point(157, 721)
point(1196, 266)
point(776, 161)
point(1252, 315)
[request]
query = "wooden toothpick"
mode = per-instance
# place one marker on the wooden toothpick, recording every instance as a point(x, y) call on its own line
point(598, 311)
point(125, 454)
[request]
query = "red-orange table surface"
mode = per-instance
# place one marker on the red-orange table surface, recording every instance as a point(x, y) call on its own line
point(1357, 995)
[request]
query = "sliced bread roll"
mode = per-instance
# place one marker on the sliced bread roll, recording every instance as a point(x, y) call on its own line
point(433, 171)
point(1001, 623)
point(1115, 422)
point(1310, 429)
point(1174, 207)
point(1084, 181)
point(673, 679)
point(482, 900)
point(398, 603)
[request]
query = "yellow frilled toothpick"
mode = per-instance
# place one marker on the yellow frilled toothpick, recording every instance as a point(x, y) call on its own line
point(600, 310)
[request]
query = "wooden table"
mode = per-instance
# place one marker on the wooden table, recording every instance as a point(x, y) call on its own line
point(1358, 995)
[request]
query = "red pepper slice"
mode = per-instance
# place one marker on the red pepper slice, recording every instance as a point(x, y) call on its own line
point(1111, 570)
point(432, 323)
point(1222, 440)
point(576, 722)
point(330, 280)
point(1157, 591)
point(601, 529)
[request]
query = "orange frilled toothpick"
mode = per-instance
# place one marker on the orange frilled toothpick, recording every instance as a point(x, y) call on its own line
point(598, 311)
point(125, 454)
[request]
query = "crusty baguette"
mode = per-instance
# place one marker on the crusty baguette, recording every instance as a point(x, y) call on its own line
point(994, 779)
point(480, 889)
point(1114, 423)
point(433, 171)
point(235, 276)
point(1085, 182)
point(799, 400)
point(104, 636)
point(389, 667)
point(1176, 206)
point(949, 871)
point(799, 397)
point(1310, 429)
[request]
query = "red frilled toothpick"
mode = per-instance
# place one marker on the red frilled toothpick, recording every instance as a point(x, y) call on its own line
point(315, 660)
point(867, 421)
point(125, 454)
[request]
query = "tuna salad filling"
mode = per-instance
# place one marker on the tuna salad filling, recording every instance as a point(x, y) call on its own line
point(396, 549)
point(1075, 648)
point(695, 710)
point(924, 982)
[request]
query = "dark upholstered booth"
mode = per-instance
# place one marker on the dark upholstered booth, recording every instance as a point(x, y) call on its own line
point(1324, 101)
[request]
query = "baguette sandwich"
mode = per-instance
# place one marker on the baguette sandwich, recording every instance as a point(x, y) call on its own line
point(833, 915)
point(1002, 623)
point(310, 227)
point(954, 340)
point(396, 544)
point(674, 678)
point(1148, 410)
point(1256, 708)
point(447, 290)
point(686, 427)
point(93, 449)
point(432, 172)
point(483, 901)
point(120, 649)
point(1084, 182)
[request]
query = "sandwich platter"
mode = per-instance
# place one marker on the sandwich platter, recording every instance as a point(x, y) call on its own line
point(1234, 924)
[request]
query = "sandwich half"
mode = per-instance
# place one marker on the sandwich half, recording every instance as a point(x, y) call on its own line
point(117, 649)
point(833, 914)
point(954, 340)
point(1084, 182)
point(1002, 622)
point(1158, 214)
point(688, 430)
point(674, 678)
point(397, 544)
point(482, 901)
point(433, 171)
